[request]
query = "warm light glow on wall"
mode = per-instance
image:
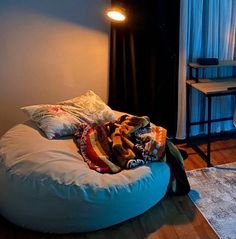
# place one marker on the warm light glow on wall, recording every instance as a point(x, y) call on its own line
point(116, 14)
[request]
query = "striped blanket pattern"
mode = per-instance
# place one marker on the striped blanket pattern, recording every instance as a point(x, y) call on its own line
point(128, 142)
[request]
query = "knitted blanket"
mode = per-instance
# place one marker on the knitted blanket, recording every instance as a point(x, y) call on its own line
point(127, 143)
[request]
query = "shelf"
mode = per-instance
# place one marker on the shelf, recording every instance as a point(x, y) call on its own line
point(221, 64)
point(213, 86)
point(197, 67)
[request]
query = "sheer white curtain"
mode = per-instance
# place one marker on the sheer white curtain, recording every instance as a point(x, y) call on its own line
point(207, 29)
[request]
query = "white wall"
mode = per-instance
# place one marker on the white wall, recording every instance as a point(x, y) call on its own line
point(50, 51)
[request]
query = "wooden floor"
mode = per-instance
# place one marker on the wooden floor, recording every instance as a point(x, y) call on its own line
point(222, 151)
point(172, 217)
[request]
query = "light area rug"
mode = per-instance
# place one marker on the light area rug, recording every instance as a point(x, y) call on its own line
point(213, 191)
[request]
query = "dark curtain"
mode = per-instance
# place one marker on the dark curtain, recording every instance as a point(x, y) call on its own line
point(144, 61)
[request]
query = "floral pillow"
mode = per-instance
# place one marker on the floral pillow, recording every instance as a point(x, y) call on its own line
point(54, 120)
point(64, 118)
point(92, 107)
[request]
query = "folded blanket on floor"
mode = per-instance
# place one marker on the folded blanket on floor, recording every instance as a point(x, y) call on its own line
point(128, 142)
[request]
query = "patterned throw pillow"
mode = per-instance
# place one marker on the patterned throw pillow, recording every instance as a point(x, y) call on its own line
point(64, 118)
point(54, 120)
point(92, 106)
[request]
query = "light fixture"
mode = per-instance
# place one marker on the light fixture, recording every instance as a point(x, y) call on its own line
point(116, 14)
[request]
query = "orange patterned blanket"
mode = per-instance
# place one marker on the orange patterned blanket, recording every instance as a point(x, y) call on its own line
point(128, 142)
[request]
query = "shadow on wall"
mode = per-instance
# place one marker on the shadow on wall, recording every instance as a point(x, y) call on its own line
point(66, 10)
point(50, 51)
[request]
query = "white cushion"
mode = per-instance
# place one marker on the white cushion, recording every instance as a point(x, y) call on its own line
point(64, 118)
point(45, 185)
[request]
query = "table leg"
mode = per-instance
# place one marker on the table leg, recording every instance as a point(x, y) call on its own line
point(209, 133)
point(191, 73)
point(197, 74)
point(188, 116)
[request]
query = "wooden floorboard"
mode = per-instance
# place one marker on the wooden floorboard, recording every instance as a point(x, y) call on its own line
point(223, 151)
point(172, 217)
